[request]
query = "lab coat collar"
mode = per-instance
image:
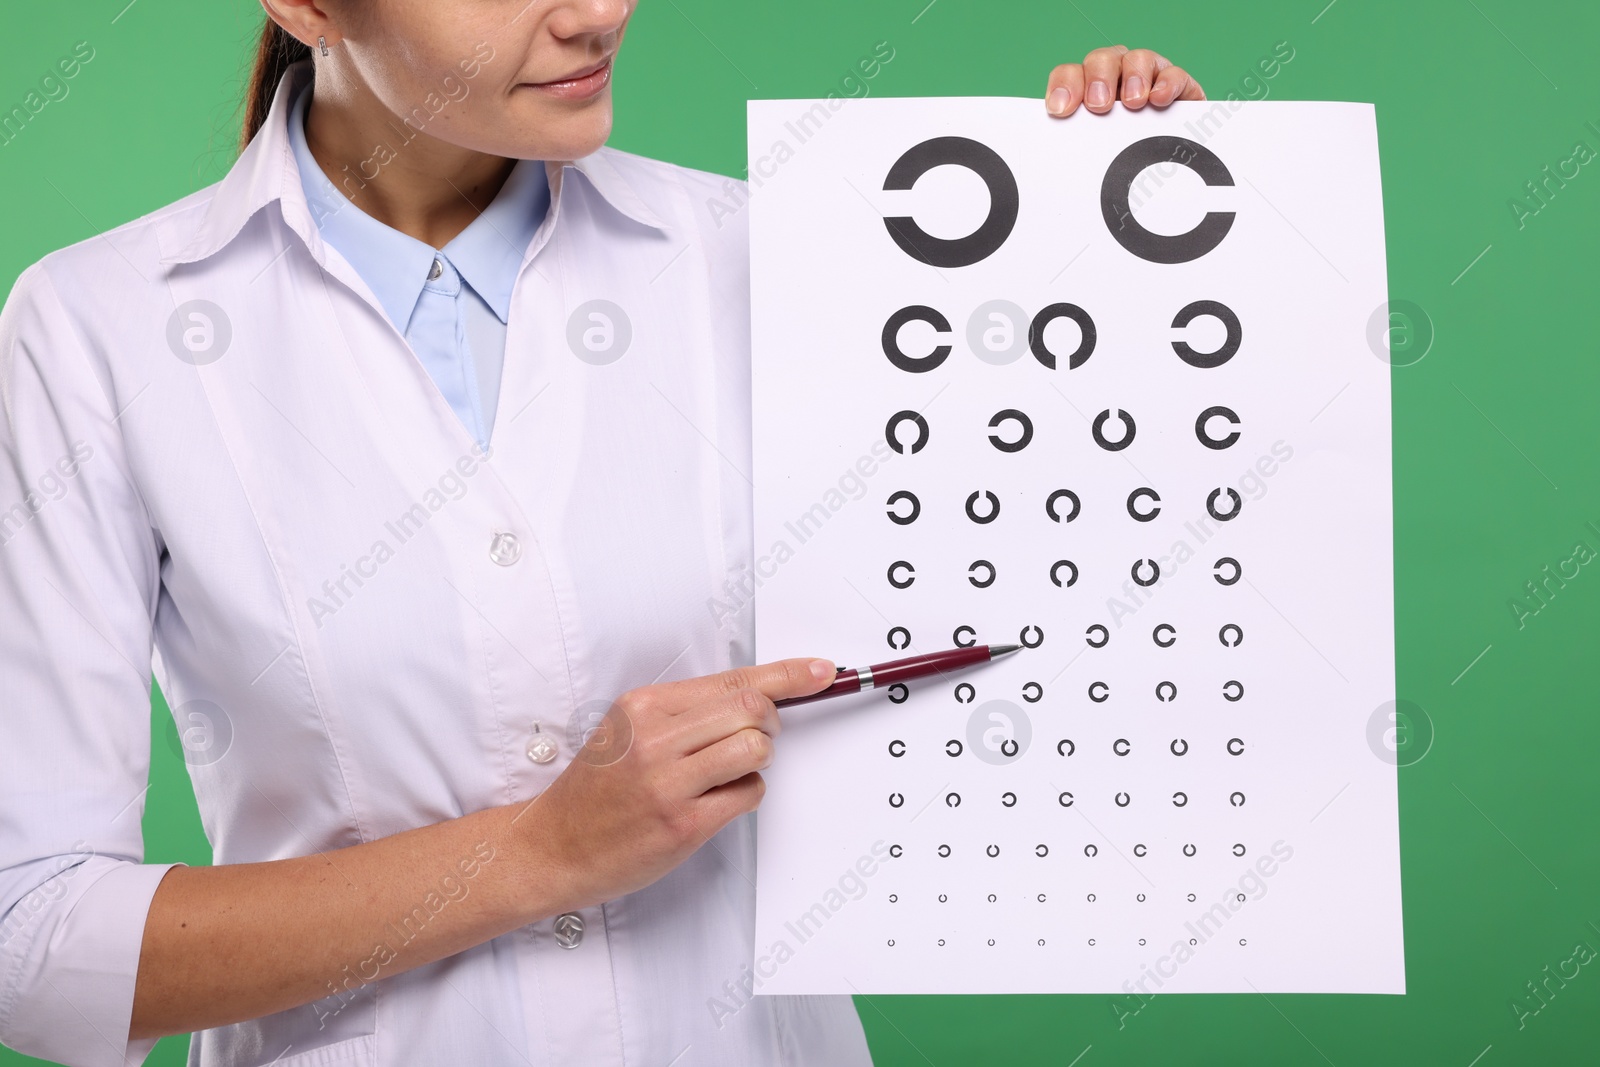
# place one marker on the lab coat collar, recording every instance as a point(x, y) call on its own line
point(265, 171)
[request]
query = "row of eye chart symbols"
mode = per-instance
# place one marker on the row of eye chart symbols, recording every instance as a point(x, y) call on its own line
point(1024, 433)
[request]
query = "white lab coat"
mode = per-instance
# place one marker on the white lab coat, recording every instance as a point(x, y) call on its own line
point(219, 454)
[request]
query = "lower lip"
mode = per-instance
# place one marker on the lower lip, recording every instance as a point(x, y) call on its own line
point(577, 88)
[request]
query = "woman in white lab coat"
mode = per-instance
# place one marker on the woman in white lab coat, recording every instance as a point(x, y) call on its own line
point(412, 467)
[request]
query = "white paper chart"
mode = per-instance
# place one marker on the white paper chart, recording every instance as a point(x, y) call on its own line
point(1111, 388)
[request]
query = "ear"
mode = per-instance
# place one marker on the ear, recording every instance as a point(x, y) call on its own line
point(304, 20)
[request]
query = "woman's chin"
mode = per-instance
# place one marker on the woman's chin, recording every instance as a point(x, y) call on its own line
point(570, 136)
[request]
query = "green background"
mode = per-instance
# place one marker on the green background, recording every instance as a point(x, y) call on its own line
point(1495, 432)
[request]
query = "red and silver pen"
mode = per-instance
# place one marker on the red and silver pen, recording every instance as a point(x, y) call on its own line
point(903, 670)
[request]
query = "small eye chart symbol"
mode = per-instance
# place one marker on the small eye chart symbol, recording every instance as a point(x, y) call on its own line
point(999, 732)
point(199, 332)
point(599, 332)
point(200, 732)
point(1399, 733)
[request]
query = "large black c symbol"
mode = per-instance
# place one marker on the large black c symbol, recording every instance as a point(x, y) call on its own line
point(981, 243)
point(891, 338)
point(1118, 183)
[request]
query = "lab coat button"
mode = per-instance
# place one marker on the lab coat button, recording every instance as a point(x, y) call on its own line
point(569, 930)
point(436, 270)
point(541, 747)
point(505, 549)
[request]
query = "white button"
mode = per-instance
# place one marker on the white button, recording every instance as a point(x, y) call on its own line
point(505, 549)
point(436, 270)
point(542, 747)
point(569, 930)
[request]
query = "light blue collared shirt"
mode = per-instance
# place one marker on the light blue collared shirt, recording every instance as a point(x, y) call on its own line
point(451, 304)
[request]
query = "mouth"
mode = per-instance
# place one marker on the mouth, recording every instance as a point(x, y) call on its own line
point(579, 84)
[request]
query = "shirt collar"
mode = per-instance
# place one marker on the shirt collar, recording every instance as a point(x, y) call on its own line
point(266, 172)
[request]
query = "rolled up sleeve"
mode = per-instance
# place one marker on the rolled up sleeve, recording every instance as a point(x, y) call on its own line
point(79, 574)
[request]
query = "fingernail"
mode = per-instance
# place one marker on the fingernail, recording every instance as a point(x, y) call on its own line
point(1099, 94)
point(1134, 87)
point(1059, 99)
point(822, 670)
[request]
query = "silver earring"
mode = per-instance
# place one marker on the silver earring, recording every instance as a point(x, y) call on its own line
point(322, 43)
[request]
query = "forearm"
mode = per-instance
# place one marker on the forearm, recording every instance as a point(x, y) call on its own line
point(239, 941)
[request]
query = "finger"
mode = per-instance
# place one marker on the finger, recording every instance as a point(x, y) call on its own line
point(1139, 69)
point(731, 758)
point(782, 678)
point(1174, 83)
point(1102, 71)
point(748, 709)
point(718, 807)
point(1064, 92)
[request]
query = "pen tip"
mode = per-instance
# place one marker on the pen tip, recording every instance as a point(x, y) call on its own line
point(1002, 650)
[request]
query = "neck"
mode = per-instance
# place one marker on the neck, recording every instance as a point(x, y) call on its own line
point(403, 177)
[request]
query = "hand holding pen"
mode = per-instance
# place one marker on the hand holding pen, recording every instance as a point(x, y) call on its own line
point(671, 763)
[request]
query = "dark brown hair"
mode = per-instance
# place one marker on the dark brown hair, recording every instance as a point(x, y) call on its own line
point(274, 53)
